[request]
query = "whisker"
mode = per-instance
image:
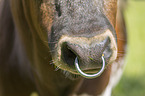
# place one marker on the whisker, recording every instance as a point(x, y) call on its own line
point(121, 39)
point(50, 42)
point(52, 50)
point(120, 54)
point(52, 62)
point(66, 73)
point(57, 67)
point(45, 41)
point(53, 42)
point(50, 2)
point(121, 51)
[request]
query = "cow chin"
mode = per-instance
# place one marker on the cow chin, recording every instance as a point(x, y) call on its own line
point(88, 51)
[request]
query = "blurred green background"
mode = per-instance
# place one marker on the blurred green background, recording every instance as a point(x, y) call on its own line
point(133, 80)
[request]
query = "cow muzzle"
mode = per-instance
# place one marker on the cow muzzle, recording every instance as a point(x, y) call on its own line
point(87, 57)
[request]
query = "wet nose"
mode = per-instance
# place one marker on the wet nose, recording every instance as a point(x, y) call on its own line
point(88, 54)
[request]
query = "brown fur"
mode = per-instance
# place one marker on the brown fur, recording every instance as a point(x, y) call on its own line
point(110, 10)
point(25, 55)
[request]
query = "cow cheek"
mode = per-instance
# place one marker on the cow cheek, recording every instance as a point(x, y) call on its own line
point(47, 15)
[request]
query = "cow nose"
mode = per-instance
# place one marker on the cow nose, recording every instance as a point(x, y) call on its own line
point(88, 54)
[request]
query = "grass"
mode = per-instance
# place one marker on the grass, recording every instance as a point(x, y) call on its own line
point(133, 80)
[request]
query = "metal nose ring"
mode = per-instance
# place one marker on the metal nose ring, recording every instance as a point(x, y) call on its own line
point(89, 75)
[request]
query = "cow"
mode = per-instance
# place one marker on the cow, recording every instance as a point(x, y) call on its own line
point(61, 47)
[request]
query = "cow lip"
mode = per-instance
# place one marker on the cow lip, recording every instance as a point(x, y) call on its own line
point(89, 71)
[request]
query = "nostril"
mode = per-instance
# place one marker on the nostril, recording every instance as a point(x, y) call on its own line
point(105, 42)
point(107, 51)
point(107, 48)
point(68, 56)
